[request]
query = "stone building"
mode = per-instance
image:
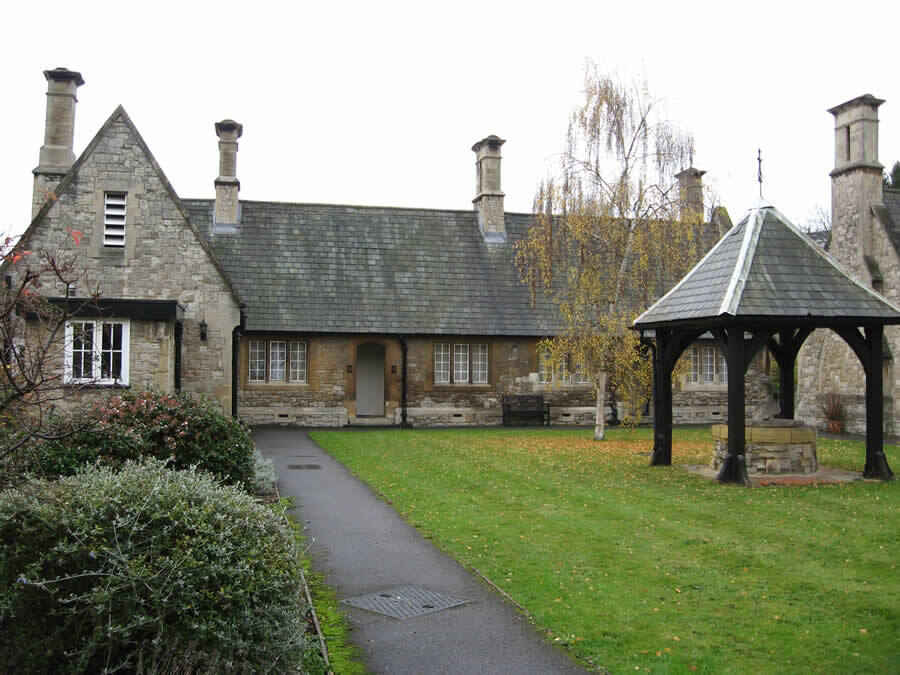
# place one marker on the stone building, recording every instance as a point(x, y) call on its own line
point(865, 239)
point(307, 314)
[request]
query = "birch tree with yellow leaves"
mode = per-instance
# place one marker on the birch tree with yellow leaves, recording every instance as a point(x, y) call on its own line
point(610, 235)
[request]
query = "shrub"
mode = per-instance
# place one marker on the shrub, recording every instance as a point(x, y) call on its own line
point(147, 566)
point(265, 477)
point(191, 431)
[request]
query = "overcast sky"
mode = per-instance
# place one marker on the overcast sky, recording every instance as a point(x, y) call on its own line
point(379, 103)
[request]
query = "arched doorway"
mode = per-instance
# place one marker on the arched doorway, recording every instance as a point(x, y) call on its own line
point(370, 380)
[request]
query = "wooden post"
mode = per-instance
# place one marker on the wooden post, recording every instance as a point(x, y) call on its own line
point(786, 372)
point(662, 401)
point(876, 461)
point(734, 468)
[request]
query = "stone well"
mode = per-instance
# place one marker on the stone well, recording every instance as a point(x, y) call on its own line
point(772, 446)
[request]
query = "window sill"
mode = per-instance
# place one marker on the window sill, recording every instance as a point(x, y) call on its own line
point(550, 386)
point(705, 386)
point(449, 386)
point(97, 385)
point(281, 384)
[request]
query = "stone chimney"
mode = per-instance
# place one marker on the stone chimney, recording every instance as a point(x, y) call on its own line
point(488, 196)
point(227, 185)
point(690, 193)
point(855, 180)
point(57, 155)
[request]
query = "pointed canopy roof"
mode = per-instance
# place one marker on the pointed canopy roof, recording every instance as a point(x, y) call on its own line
point(765, 269)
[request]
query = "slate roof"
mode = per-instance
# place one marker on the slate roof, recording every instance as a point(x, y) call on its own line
point(765, 267)
point(891, 218)
point(352, 269)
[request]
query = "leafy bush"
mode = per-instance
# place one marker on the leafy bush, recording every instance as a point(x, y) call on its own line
point(146, 567)
point(265, 476)
point(191, 431)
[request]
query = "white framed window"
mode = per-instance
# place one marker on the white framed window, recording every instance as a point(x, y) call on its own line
point(579, 376)
point(277, 360)
point(97, 351)
point(257, 361)
point(721, 369)
point(114, 218)
point(546, 375)
point(442, 363)
point(460, 363)
point(298, 361)
point(708, 365)
point(479, 364)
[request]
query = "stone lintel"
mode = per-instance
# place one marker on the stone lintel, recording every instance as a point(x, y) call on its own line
point(493, 142)
point(63, 74)
point(690, 172)
point(865, 99)
point(874, 167)
point(488, 193)
point(228, 127)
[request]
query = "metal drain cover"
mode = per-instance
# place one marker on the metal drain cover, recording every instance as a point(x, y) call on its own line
point(301, 467)
point(404, 602)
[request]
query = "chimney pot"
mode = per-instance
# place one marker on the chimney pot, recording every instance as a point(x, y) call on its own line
point(227, 211)
point(856, 134)
point(488, 195)
point(690, 192)
point(57, 154)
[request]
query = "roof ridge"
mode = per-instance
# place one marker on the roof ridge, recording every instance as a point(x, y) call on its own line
point(687, 276)
point(732, 298)
point(832, 260)
point(357, 206)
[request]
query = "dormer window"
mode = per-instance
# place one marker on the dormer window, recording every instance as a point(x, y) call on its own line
point(114, 219)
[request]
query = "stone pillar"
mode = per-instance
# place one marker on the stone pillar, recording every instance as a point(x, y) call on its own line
point(855, 181)
point(488, 196)
point(690, 193)
point(57, 155)
point(227, 185)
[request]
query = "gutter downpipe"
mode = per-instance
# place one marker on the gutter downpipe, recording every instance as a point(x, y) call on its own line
point(235, 360)
point(179, 339)
point(404, 422)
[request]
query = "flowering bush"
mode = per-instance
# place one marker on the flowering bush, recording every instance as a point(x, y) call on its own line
point(189, 431)
point(146, 568)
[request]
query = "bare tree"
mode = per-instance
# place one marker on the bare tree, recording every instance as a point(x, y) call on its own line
point(35, 400)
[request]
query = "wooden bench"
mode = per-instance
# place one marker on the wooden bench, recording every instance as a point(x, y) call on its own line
point(525, 409)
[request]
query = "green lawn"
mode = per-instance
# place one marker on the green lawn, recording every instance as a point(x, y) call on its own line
point(650, 568)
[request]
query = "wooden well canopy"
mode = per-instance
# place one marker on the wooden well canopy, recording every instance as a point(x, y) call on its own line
point(765, 284)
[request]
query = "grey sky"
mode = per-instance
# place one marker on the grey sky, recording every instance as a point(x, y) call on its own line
point(380, 102)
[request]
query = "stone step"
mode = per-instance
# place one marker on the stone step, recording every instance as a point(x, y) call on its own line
point(370, 422)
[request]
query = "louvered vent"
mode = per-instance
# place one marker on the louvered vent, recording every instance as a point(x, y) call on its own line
point(114, 219)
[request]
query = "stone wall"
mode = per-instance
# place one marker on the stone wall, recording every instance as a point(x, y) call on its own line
point(321, 401)
point(825, 364)
point(328, 398)
point(708, 403)
point(163, 258)
point(151, 364)
point(771, 449)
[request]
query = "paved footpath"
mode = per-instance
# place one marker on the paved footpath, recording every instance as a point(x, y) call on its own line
point(363, 546)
